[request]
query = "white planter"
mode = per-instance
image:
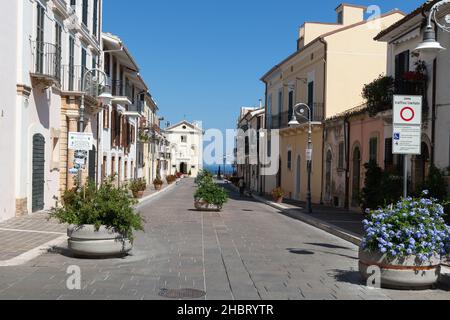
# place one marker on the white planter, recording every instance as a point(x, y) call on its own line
point(401, 273)
point(87, 242)
point(201, 205)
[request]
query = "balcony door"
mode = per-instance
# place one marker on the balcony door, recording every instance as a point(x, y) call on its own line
point(40, 39)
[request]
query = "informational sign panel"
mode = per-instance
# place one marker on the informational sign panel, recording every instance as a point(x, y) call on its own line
point(80, 141)
point(407, 135)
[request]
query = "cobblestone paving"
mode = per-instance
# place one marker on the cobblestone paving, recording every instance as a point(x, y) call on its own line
point(249, 251)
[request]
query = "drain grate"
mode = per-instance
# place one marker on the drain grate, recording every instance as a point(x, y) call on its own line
point(182, 293)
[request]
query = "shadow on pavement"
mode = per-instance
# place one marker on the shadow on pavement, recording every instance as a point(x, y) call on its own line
point(327, 245)
point(300, 251)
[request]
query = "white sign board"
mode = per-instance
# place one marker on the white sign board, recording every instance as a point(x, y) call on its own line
point(407, 134)
point(309, 154)
point(80, 141)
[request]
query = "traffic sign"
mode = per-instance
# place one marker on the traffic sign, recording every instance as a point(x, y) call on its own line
point(407, 140)
point(309, 154)
point(408, 110)
point(80, 141)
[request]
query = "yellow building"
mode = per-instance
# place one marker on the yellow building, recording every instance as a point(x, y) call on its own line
point(332, 63)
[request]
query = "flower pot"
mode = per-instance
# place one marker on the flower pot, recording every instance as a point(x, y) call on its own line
point(279, 200)
point(86, 241)
point(158, 187)
point(201, 205)
point(406, 273)
point(138, 194)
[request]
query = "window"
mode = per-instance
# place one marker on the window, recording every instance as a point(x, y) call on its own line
point(340, 17)
point(341, 155)
point(71, 62)
point(40, 39)
point(291, 105)
point(94, 61)
point(95, 18)
point(289, 160)
point(269, 112)
point(85, 13)
point(106, 118)
point(388, 156)
point(58, 44)
point(107, 64)
point(311, 94)
point(373, 149)
point(280, 107)
point(83, 61)
point(401, 64)
point(73, 3)
point(183, 139)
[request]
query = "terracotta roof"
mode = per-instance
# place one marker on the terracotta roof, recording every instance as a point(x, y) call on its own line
point(424, 7)
point(350, 112)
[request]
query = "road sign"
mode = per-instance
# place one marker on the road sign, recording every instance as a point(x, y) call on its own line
point(407, 134)
point(407, 140)
point(408, 110)
point(80, 141)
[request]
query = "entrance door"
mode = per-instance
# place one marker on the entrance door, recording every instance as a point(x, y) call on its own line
point(38, 173)
point(183, 168)
point(328, 176)
point(356, 178)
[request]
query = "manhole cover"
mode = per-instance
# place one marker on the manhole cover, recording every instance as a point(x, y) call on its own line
point(182, 293)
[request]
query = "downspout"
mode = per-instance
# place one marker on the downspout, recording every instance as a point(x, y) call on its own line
point(325, 61)
point(347, 162)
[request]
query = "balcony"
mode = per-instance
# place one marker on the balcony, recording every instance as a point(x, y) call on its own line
point(281, 121)
point(72, 78)
point(46, 63)
point(121, 89)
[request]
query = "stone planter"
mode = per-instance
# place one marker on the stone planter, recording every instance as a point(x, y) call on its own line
point(201, 205)
point(85, 241)
point(158, 187)
point(138, 194)
point(278, 200)
point(401, 273)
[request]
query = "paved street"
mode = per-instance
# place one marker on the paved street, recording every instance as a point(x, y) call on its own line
point(249, 251)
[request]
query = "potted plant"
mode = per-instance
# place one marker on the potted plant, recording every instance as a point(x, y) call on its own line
point(209, 196)
point(101, 220)
point(138, 187)
point(157, 183)
point(171, 179)
point(406, 242)
point(278, 195)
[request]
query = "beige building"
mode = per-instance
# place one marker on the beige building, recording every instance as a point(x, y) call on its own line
point(332, 63)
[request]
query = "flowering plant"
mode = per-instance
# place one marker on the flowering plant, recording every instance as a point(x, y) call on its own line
point(415, 226)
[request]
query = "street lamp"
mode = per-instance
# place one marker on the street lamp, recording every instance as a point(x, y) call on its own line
point(300, 111)
point(430, 46)
point(104, 98)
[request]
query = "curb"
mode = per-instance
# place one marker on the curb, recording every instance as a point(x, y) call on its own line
point(331, 229)
point(445, 276)
point(151, 196)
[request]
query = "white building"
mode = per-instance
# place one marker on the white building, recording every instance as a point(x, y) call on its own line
point(186, 143)
point(43, 40)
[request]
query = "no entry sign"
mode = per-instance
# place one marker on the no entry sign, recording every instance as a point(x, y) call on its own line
point(407, 135)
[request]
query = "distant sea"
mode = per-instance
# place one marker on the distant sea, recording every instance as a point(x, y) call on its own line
point(215, 168)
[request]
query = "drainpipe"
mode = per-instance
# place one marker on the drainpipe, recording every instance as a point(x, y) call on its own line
point(325, 62)
point(347, 162)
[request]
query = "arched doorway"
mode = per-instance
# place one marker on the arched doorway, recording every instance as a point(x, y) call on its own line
point(279, 173)
point(38, 179)
point(329, 161)
point(298, 179)
point(183, 168)
point(356, 177)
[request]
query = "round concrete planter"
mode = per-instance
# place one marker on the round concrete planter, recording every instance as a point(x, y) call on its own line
point(85, 241)
point(158, 187)
point(406, 273)
point(138, 194)
point(201, 205)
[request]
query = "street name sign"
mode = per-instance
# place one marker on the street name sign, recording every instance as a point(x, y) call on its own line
point(407, 134)
point(80, 141)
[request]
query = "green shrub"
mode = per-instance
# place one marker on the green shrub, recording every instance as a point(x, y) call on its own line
point(137, 185)
point(435, 184)
point(210, 192)
point(379, 93)
point(106, 206)
point(278, 193)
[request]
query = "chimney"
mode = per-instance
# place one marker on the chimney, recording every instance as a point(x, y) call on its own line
point(348, 14)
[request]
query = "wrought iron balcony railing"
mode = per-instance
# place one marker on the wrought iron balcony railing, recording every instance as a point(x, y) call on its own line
point(46, 60)
point(72, 78)
point(281, 121)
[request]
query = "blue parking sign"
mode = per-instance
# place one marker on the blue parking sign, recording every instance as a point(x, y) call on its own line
point(396, 136)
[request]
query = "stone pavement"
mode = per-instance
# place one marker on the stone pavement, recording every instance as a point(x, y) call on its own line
point(248, 251)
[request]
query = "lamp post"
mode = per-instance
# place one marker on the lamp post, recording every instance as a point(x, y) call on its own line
point(104, 98)
point(430, 45)
point(299, 111)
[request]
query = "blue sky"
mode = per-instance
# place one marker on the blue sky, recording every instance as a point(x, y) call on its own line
point(203, 59)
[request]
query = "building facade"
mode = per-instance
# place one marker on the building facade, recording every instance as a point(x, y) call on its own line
point(320, 74)
point(186, 148)
point(48, 45)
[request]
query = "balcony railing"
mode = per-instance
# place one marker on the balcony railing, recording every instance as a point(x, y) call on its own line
point(72, 78)
point(46, 60)
point(281, 121)
point(121, 89)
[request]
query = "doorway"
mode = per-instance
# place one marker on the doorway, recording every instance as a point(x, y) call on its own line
point(183, 168)
point(38, 178)
point(298, 180)
point(356, 177)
